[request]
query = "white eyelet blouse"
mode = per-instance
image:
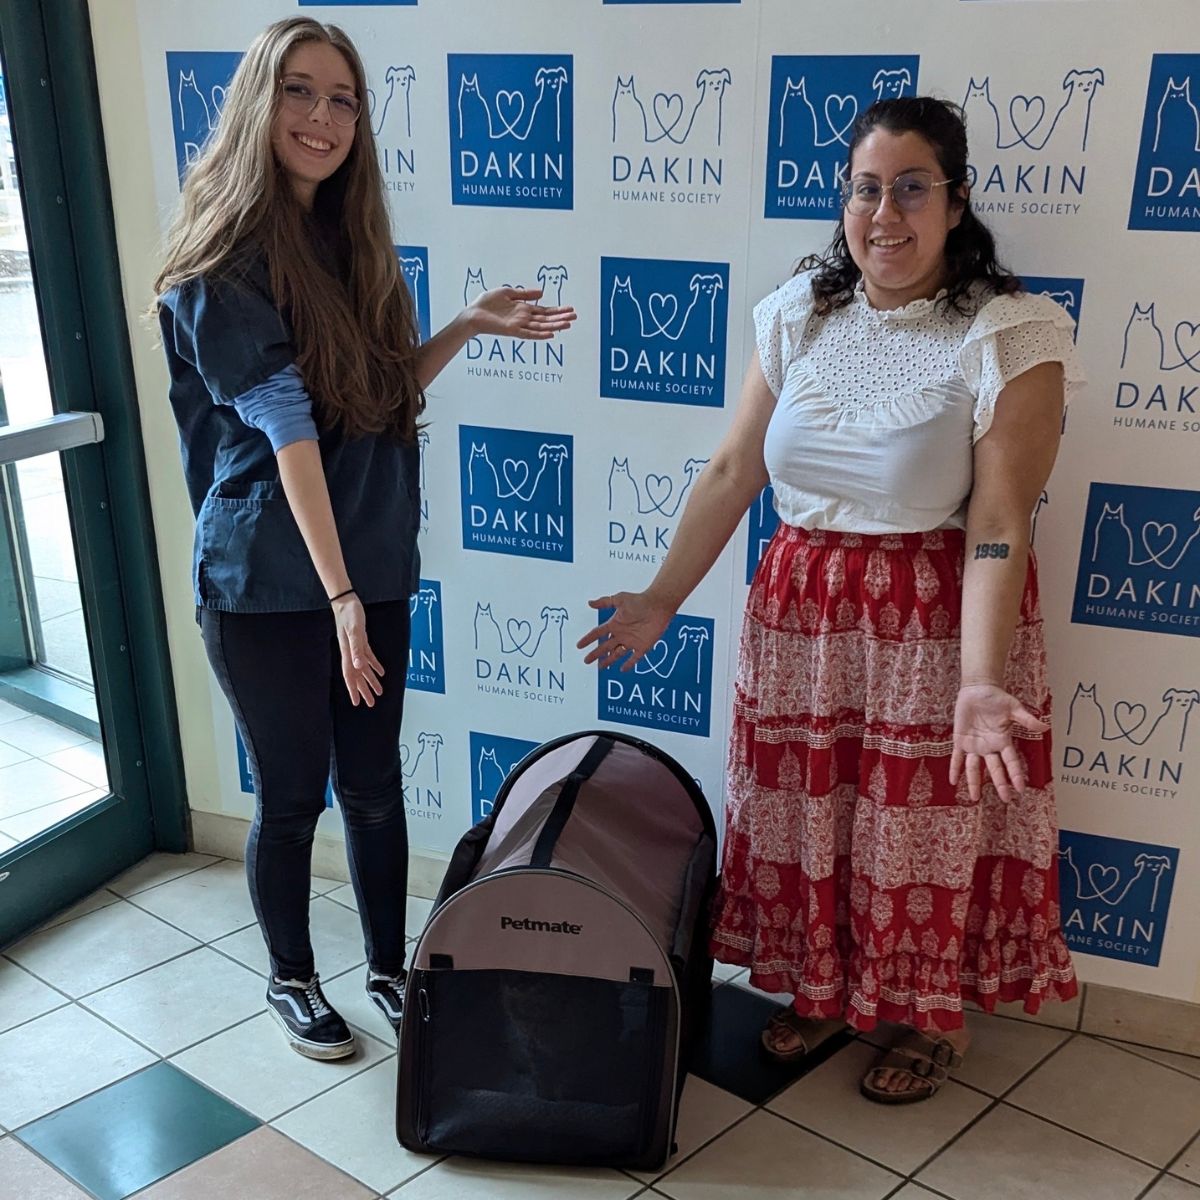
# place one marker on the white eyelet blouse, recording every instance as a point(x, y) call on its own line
point(878, 410)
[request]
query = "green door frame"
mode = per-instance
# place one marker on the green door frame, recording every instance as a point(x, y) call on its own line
point(54, 111)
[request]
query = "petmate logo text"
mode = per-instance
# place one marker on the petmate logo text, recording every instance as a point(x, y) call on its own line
point(197, 80)
point(671, 688)
point(517, 359)
point(492, 758)
point(1115, 895)
point(512, 130)
point(1158, 386)
point(414, 266)
point(667, 133)
point(519, 652)
point(390, 110)
point(1166, 187)
point(1139, 566)
point(763, 520)
point(1029, 149)
point(1129, 741)
point(815, 100)
point(421, 774)
point(517, 492)
point(426, 647)
point(644, 506)
point(662, 330)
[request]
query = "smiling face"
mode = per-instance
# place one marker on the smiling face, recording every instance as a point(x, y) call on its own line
point(901, 254)
point(310, 146)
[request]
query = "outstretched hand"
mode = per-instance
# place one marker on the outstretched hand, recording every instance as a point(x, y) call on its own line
point(983, 720)
point(634, 628)
point(513, 312)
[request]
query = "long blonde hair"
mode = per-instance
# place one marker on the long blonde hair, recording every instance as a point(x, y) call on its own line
point(355, 339)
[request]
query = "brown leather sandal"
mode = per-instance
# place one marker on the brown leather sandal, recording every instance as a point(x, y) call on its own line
point(809, 1031)
point(925, 1060)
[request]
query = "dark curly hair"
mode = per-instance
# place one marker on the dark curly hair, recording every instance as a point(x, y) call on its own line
point(970, 247)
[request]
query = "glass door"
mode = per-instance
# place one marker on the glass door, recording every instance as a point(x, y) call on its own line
point(90, 777)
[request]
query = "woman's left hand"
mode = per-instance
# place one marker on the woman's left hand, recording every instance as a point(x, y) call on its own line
point(513, 312)
point(983, 718)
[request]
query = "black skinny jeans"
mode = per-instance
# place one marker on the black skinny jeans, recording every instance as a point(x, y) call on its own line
point(281, 673)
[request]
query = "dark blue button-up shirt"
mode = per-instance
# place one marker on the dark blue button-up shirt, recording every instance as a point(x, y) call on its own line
point(223, 338)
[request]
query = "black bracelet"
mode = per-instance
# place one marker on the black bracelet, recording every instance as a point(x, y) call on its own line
point(347, 592)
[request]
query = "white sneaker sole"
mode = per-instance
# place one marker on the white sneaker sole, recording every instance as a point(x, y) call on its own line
point(309, 1049)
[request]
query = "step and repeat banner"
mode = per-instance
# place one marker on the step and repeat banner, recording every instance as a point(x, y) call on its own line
point(661, 166)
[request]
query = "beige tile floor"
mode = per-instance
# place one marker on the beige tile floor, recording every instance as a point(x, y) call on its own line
point(47, 773)
point(172, 972)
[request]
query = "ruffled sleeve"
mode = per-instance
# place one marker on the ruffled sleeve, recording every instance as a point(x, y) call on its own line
point(779, 322)
point(1009, 336)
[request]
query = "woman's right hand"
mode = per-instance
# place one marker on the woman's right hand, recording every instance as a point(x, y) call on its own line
point(637, 623)
point(361, 670)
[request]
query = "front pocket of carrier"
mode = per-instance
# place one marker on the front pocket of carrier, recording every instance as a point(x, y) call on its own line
point(538, 1067)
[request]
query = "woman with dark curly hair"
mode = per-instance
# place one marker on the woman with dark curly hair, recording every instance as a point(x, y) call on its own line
point(890, 832)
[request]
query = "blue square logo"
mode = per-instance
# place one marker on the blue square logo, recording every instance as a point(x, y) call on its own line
point(762, 521)
point(414, 266)
point(1139, 565)
point(421, 774)
point(663, 329)
point(1115, 895)
point(815, 100)
point(670, 688)
point(246, 778)
point(512, 132)
point(517, 492)
point(1068, 293)
point(1166, 186)
point(492, 758)
point(426, 653)
point(197, 80)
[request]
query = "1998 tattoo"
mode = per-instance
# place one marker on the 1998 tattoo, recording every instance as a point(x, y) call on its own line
point(991, 550)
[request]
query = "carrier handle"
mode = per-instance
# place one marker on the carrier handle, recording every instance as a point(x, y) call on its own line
point(563, 806)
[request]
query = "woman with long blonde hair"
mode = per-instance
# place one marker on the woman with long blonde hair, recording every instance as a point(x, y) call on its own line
point(297, 382)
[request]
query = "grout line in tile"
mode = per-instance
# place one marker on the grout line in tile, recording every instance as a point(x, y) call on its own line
point(1095, 1141)
point(349, 1174)
point(840, 1145)
point(182, 875)
point(1133, 1048)
point(728, 1129)
point(993, 1103)
point(95, 1091)
point(1150, 1186)
point(144, 970)
point(1083, 995)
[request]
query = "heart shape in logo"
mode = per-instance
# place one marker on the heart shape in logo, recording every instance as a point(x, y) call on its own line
point(518, 632)
point(1187, 342)
point(652, 665)
point(668, 110)
point(1158, 539)
point(1129, 717)
point(218, 96)
point(1026, 113)
point(658, 489)
point(516, 474)
point(663, 310)
point(510, 108)
point(1110, 875)
point(840, 112)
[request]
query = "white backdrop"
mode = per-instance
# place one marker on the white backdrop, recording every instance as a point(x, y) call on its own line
point(661, 166)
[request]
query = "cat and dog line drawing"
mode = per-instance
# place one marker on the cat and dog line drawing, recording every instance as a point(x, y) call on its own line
point(1112, 540)
point(662, 314)
point(839, 111)
point(654, 492)
point(516, 478)
point(506, 114)
point(669, 110)
point(1090, 719)
point(1144, 342)
point(1030, 122)
point(550, 279)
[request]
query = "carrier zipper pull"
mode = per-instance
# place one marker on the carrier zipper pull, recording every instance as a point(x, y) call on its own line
point(423, 1005)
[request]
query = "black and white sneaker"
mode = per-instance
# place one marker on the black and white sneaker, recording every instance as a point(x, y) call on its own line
point(387, 991)
point(310, 1025)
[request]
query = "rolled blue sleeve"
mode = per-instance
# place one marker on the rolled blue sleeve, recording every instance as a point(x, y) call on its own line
point(280, 407)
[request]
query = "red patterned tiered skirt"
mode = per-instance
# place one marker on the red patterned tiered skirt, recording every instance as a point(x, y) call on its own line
point(854, 877)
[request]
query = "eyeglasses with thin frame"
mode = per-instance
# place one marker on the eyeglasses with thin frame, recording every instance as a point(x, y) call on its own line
point(910, 190)
point(298, 97)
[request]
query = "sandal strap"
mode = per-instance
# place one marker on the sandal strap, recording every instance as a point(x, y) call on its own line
point(922, 1057)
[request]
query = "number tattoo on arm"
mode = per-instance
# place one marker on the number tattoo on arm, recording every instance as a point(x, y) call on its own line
point(991, 550)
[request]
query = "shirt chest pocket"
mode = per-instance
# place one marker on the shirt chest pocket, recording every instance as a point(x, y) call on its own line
point(250, 551)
